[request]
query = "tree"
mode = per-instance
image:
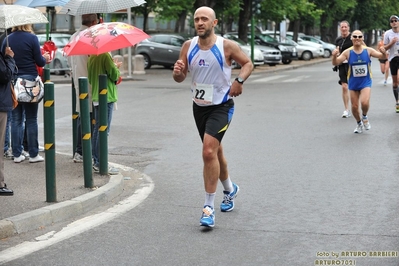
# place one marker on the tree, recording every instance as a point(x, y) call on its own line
point(174, 10)
point(334, 11)
point(145, 10)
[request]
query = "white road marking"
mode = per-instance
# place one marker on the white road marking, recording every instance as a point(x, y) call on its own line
point(78, 226)
point(297, 79)
point(266, 79)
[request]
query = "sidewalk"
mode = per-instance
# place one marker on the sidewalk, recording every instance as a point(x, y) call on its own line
point(28, 210)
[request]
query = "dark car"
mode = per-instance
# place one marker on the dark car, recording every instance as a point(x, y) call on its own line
point(288, 51)
point(160, 49)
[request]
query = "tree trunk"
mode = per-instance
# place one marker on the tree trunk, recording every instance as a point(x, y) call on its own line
point(199, 3)
point(181, 22)
point(244, 20)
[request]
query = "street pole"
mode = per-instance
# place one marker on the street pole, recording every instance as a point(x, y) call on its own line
point(49, 141)
point(86, 131)
point(252, 38)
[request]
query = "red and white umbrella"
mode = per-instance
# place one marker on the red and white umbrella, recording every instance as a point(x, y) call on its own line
point(105, 37)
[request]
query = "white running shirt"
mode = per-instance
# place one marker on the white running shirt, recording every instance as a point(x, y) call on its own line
point(210, 73)
point(394, 50)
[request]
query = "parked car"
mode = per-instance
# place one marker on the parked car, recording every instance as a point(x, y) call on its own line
point(160, 49)
point(271, 56)
point(304, 52)
point(288, 51)
point(258, 55)
point(328, 47)
point(59, 65)
point(300, 41)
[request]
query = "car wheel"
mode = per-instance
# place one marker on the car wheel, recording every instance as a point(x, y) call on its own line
point(327, 53)
point(306, 55)
point(147, 61)
point(286, 61)
point(57, 67)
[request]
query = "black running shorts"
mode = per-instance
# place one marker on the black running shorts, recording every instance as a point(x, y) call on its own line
point(343, 73)
point(213, 120)
point(394, 66)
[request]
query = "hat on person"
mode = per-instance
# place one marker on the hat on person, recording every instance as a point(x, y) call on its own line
point(393, 16)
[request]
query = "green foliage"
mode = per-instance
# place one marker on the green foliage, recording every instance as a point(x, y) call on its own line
point(370, 14)
point(170, 9)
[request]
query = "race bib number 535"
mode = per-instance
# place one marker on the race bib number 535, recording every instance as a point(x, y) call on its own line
point(359, 70)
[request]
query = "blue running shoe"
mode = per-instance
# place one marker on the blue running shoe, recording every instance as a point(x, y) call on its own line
point(228, 199)
point(208, 217)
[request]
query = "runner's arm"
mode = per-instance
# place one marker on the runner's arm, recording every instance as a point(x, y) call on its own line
point(180, 68)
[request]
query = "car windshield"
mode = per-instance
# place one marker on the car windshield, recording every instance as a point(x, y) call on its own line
point(267, 38)
point(60, 41)
point(167, 39)
point(285, 40)
point(231, 37)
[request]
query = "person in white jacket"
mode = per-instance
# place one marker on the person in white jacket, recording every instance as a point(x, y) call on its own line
point(78, 64)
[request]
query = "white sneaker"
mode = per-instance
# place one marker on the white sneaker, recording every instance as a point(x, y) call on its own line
point(19, 159)
point(78, 158)
point(359, 128)
point(25, 153)
point(36, 159)
point(345, 114)
point(8, 155)
point(366, 123)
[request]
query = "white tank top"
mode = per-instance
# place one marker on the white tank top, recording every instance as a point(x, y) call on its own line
point(210, 73)
point(394, 50)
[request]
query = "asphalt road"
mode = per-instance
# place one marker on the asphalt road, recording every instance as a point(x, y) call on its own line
point(311, 189)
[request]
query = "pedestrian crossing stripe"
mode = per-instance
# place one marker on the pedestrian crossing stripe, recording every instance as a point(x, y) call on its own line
point(48, 103)
point(103, 91)
point(83, 96)
point(49, 146)
point(102, 128)
point(86, 136)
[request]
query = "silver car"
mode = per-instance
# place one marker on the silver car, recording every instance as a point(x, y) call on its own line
point(160, 49)
point(304, 52)
point(59, 65)
point(271, 56)
point(328, 47)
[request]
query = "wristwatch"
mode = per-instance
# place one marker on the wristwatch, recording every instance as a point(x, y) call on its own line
point(240, 80)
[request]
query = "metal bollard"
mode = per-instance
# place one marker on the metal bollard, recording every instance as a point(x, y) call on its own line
point(86, 131)
point(46, 74)
point(103, 124)
point(49, 141)
point(75, 116)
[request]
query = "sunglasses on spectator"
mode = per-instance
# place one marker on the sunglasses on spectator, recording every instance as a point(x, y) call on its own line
point(394, 20)
point(357, 36)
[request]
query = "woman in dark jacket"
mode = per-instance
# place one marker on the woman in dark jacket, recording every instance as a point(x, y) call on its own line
point(8, 70)
point(27, 56)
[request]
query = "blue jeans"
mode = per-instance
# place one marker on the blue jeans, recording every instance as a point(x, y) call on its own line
point(96, 137)
point(28, 112)
point(7, 144)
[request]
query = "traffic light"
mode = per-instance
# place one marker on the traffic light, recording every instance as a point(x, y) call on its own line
point(256, 7)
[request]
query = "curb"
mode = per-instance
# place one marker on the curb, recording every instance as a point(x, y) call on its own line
point(48, 215)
